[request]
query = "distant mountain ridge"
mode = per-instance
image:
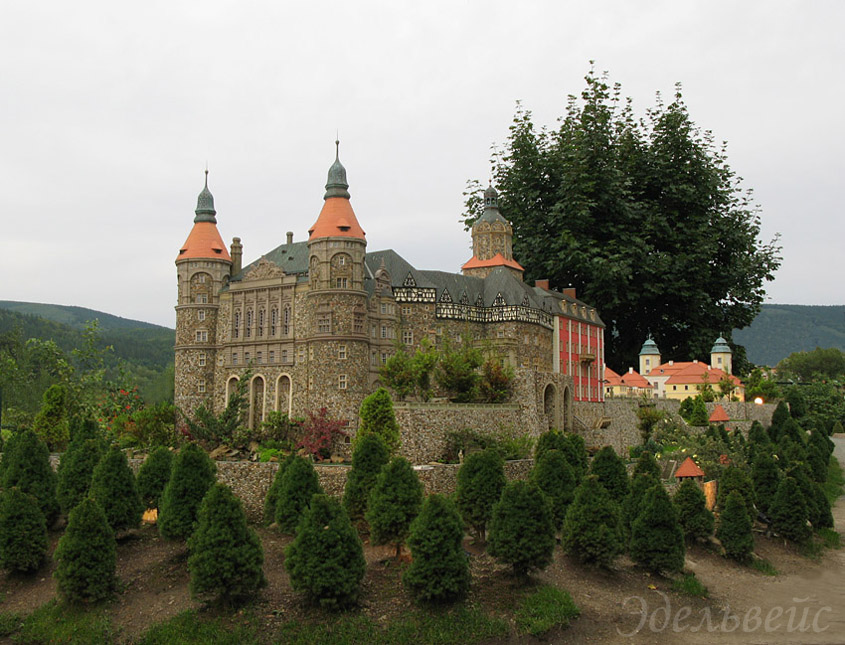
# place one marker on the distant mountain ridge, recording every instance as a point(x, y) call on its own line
point(75, 317)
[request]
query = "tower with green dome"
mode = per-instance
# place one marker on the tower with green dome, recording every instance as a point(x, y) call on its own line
point(649, 356)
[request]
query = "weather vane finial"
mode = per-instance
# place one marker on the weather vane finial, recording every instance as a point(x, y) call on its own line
point(337, 144)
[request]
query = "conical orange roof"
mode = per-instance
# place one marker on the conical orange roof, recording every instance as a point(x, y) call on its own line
point(496, 261)
point(204, 241)
point(689, 469)
point(336, 219)
point(719, 415)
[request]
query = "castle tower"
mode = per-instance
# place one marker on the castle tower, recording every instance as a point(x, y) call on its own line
point(492, 241)
point(649, 356)
point(202, 266)
point(721, 355)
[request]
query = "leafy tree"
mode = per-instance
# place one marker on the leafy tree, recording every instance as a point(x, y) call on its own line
point(825, 406)
point(820, 363)
point(225, 554)
point(591, 531)
point(86, 555)
point(521, 530)
point(398, 373)
point(154, 475)
point(496, 385)
point(695, 519)
point(370, 456)
point(320, 432)
point(553, 475)
point(648, 416)
point(734, 530)
point(114, 488)
point(640, 485)
point(611, 472)
point(457, 370)
point(439, 570)
point(685, 408)
point(272, 498)
point(377, 417)
point(394, 502)
point(51, 422)
point(299, 484)
point(481, 479)
point(27, 466)
point(326, 560)
point(23, 532)
point(192, 474)
point(736, 479)
point(765, 477)
point(758, 384)
point(647, 465)
point(797, 403)
point(789, 512)
point(75, 470)
point(657, 540)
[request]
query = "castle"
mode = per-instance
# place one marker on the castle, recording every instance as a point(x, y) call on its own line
point(314, 320)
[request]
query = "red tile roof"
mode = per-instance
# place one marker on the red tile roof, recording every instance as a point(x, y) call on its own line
point(497, 260)
point(694, 373)
point(336, 219)
point(204, 241)
point(635, 379)
point(611, 377)
point(719, 415)
point(689, 469)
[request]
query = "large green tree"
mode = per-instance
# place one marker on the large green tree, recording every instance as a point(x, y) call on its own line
point(643, 216)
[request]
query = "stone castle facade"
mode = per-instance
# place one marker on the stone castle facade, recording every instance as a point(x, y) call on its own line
point(314, 320)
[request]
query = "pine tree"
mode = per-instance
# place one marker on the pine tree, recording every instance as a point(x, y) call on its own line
point(521, 530)
point(326, 560)
point(640, 484)
point(553, 475)
point(225, 554)
point(481, 479)
point(819, 439)
point(698, 416)
point(611, 472)
point(377, 417)
point(695, 519)
point(23, 532)
point(113, 487)
point(801, 474)
point(86, 555)
point(28, 468)
point(550, 440)
point(272, 498)
point(190, 478)
point(817, 461)
point(577, 456)
point(592, 531)
point(823, 517)
point(647, 465)
point(394, 502)
point(779, 417)
point(736, 479)
point(299, 484)
point(789, 512)
point(51, 422)
point(765, 477)
point(439, 570)
point(734, 530)
point(836, 429)
point(657, 540)
point(758, 440)
point(154, 475)
point(370, 456)
point(75, 471)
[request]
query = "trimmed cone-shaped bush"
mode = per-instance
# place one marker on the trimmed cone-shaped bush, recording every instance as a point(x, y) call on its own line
point(154, 475)
point(28, 468)
point(577, 456)
point(299, 484)
point(695, 519)
point(377, 417)
point(640, 484)
point(272, 498)
point(801, 474)
point(758, 440)
point(610, 470)
point(734, 530)
point(439, 571)
point(394, 503)
point(817, 461)
point(23, 532)
point(657, 541)
point(592, 531)
point(370, 456)
point(190, 478)
point(550, 440)
point(225, 554)
point(553, 475)
point(779, 417)
point(647, 465)
point(113, 486)
point(86, 555)
point(521, 531)
point(75, 471)
point(9, 447)
point(788, 512)
point(736, 479)
point(481, 479)
point(823, 517)
point(765, 477)
point(326, 560)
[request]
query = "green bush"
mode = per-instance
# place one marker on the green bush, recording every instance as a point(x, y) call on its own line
point(191, 476)
point(695, 519)
point(225, 554)
point(23, 532)
point(592, 531)
point(113, 487)
point(394, 502)
point(640, 484)
point(544, 609)
point(691, 586)
point(734, 530)
point(481, 479)
point(788, 512)
point(823, 517)
point(521, 530)
point(698, 416)
point(299, 484)
point(765, 477)
point(550, 440)
point(611, 472)
point(369, 457)
point(27, 466)
point(326, 560)
point(736, 479)
point(657, 540)
point(75, 471)
point(779, 417)
point(154, 475)
point(553, 475)
point(647, 465)
point(439, 570)
point(377, 417)
point(153, 426)
point(86, 555)
point(272, 498)
point(51, 422)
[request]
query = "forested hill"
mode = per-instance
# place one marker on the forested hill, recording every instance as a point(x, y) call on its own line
point(75, 317)
point(780, 330)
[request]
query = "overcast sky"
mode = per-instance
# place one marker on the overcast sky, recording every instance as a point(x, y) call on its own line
point(109, 112)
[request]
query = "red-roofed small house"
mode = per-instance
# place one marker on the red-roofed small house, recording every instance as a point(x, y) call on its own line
point(689, 470)
point(719, 415)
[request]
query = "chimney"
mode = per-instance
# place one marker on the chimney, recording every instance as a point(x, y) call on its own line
point(569, 291)
point(630, 370)
point(290, 237)
point(542, 284)
point(237, 253)
point(671, 362)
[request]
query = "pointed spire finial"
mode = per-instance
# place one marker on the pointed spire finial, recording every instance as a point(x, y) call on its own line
point(205, 203)
point(337, 147)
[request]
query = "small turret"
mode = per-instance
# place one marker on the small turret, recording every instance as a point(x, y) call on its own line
point(649, 356)
point(721, 355)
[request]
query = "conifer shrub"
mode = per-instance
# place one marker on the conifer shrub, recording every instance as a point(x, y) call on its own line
point(86, 557)
point(272, 498)
point(788, 512)
point(819, 439)
point(695, 519)
point(823, 516)
point(577, 455)
point(640, 484)
point(836, 429)
point(481, 479)
point(779, 417)
point(225, 554)
point(592, 532)
point(521, 530)
point(113, 487)
point(439, 570)
point(736, 479)
point(817, 461)
point(647, 465)
point(801, 474)
point(51, 423)
point(299, 484)
point(75, 471)
point(657, 540)
point(394, 502)
point(792, 431)
point(191, 476)
point(758, 440)
point(23, 532)
point(82, 428)
point(9, 447)
point(326, 560)
point(698, 416)
point(28, 468)
point(369, 457)
point(377, 417)
point(734, 530)
point(550, 440)
point(154, 475)
point(765, 477)
point(553, 475)
point(611, 473)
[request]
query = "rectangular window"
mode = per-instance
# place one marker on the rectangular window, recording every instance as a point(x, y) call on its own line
point(201, 315)
point(374, 359)
point(408, 337)
point(201, 387)
point(341, 283)
point(341, 382)
point(324, 324)
point(202, 299)
point(358, 323)
point(272, 356)
point(384, 331)
point(246, 357)
point(259, 356)
point(301, 354)
point(384, 307)
point(202, 360)
point(202, 336)
point(341, 353)
point(406, 311)
point(284, 356)
point(383, 358)
point(500, 333)
point(234, 358)
point(373, 331)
